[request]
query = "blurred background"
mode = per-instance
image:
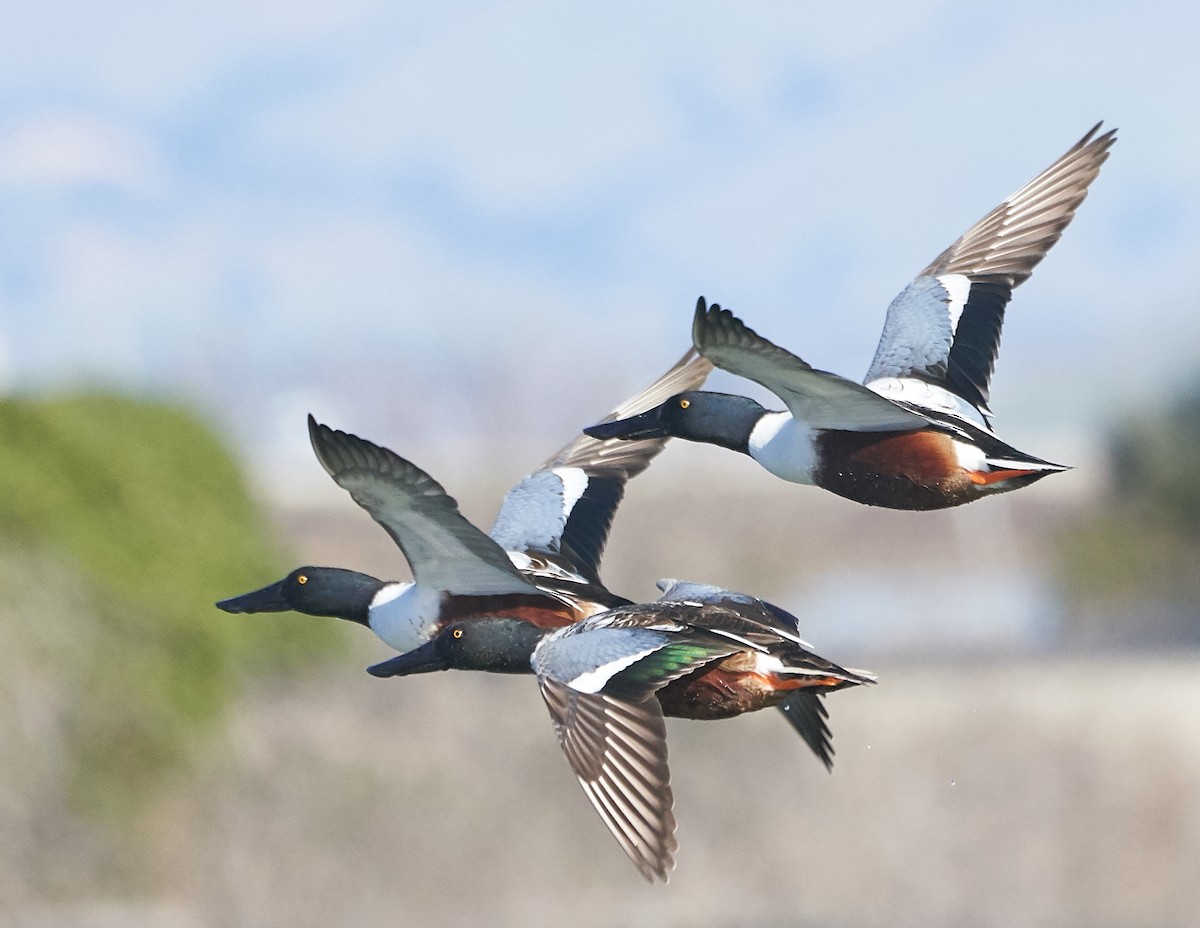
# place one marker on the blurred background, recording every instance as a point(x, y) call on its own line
point(465, 232)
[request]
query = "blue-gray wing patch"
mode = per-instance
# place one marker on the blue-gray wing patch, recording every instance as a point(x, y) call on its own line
point(918, 332)
point(741, 613)
point(567, 507)
point(588, 659)
point(980, 271)
point(688, 591)
point(535, 511)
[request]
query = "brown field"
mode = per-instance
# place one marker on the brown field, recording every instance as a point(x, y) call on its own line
point(1012, 788)
point(1057, 793)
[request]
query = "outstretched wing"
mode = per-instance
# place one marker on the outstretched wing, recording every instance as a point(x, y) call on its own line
point(567, 506)
point(444, 550)
point(944, 328)
point(618, 751)
point(739, 607)
point(819, 399)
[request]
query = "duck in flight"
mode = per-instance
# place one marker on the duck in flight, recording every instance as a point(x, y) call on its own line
point(540, 562)
point(917, 433)
point(698, 652)
point(538, 566)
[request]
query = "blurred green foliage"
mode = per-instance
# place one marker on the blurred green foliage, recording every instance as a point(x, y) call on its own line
point(1156, 466)
point(1135, 561)
point(144, 505)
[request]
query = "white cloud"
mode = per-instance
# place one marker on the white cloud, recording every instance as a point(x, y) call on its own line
point(525, 106)
point(60, 151)
point(154, 59)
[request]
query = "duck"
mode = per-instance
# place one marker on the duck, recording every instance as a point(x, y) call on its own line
point(698, 652)
point(540, 561)
point(519, 571)
point(917, 433)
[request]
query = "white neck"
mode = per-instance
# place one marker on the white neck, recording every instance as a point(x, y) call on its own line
point(404, 615)
point(785, 447)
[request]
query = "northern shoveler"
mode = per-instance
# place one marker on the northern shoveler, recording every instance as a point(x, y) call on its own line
point(545, 574)
point(698, 652)
point(917, 434)
point(541, 561)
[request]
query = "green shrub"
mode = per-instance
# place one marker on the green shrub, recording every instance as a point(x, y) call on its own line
point(146, 506)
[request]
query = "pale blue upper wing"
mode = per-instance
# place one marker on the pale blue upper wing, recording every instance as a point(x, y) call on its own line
point(630, 652)
point(590, 657)
point(741, 608)
point(944, 328)
point(567, 506)
point(817, 398)
point(444, 550)
point(598, 678)
point(685, 591)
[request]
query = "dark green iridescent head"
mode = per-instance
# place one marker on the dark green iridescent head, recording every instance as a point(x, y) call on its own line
point(495, 645)
point(714, 418)
point(328, 591)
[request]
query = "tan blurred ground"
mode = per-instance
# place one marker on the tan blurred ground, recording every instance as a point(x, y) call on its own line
point(1029, 793)
point(1000, 789)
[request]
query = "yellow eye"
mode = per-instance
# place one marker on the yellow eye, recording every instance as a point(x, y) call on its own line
point(457, 633)
point(302, 579)
point(684, 404)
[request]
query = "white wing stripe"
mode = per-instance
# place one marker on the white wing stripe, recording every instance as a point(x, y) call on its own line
point(574, 483)
point(593, 681)
point(958, 288)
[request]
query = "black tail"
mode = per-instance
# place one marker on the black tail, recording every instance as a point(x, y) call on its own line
point(807, 713)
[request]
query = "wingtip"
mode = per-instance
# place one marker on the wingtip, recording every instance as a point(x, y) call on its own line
point(319, 436)
point(698, 322)
point(340, 451)
point(706, 310)
point(710, 320)
point(1087, 136)
point(1090, 137)
point(660, 874)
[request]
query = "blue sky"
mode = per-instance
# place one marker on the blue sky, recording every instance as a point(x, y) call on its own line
point(489, 216)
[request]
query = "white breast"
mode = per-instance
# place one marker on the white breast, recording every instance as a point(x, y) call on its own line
point(785, 447)
point(404, 615)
